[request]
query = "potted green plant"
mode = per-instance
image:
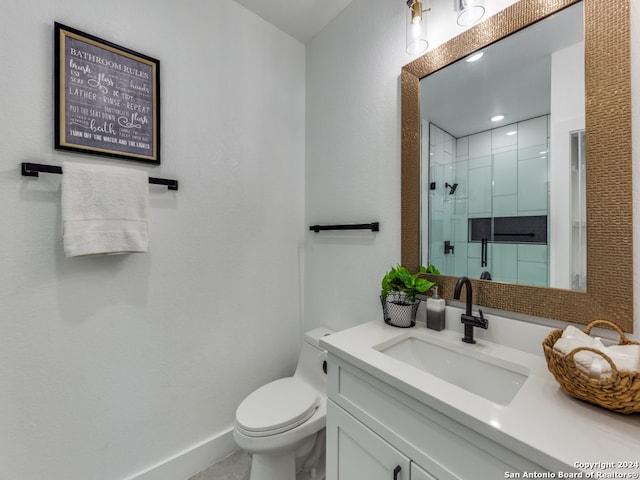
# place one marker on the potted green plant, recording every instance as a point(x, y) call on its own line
point(432, 269)
point(398, 295)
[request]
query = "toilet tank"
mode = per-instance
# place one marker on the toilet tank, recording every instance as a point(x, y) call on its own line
point(313, 337)
point(312, 358)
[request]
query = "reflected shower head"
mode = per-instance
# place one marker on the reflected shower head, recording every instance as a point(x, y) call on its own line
point(452, 188)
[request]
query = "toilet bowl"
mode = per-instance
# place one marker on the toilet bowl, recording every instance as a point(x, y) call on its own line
point(281, 424)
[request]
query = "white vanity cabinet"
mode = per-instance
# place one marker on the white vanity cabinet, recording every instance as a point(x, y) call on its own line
point(376, 431)
point(419, 474)
point(357, 452)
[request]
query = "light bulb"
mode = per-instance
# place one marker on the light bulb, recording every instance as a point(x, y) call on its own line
point(416, 28)
point(475, 57)
point(469, 12)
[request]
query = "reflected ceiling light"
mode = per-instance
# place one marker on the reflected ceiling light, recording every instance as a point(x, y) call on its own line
point(512, 132)
point(416, 28)
point(469, 12)
point(474, 57)
point(497, 118)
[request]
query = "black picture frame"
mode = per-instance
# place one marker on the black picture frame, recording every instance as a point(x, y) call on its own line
point(107, 98)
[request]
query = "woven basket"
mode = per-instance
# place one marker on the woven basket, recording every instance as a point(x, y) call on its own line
point(619, 392)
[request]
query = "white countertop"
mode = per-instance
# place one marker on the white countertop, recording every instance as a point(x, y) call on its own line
point(541, 415)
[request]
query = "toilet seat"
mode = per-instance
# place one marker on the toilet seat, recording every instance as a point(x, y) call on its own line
point(276, 407)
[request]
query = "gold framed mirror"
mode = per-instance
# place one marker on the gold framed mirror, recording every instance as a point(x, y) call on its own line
point(609, 293)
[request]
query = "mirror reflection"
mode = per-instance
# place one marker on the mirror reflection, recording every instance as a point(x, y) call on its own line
point(496, 126)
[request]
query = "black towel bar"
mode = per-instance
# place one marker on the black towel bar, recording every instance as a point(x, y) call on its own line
point(34, 169)
point(374, 227)
point(514, 234)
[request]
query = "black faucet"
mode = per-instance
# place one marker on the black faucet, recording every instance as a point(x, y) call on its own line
point(467, 317)
point(486, 275)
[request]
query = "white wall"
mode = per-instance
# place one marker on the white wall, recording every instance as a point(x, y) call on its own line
point(568, 107)
point(353, 153)
point(111, 365)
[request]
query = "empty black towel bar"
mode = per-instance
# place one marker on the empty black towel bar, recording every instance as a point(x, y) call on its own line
point(374, 227)
point(34, 169)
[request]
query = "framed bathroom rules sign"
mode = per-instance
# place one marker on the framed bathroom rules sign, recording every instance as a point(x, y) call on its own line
point(107, 98)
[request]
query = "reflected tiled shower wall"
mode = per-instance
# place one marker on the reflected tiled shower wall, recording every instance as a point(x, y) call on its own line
point(497, 173)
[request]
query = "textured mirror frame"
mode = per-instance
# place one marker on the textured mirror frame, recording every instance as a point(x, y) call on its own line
point(609, 292)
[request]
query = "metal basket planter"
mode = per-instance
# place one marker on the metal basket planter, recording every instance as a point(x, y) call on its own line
point(398, 310)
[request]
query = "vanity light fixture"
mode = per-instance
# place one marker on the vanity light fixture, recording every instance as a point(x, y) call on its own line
point(416, 28)
point(497, 118)
point(469, 12)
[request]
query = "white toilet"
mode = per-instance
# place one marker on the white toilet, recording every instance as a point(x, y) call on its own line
point(281, 424)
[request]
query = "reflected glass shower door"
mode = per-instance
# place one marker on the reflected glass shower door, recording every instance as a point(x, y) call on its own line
point(489, 202)
point(450, 250)
point(448, 201)
point(578, 211)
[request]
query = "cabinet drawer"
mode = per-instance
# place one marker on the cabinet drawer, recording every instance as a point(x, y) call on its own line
point(446, 448)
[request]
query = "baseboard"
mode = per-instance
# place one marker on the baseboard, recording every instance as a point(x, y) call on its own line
point(192, 460)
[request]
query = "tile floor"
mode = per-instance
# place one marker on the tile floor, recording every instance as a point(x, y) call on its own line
point(234, 467)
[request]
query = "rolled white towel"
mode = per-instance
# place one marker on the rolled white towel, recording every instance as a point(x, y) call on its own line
point(625, 357)
point(587, 362)
point(578, 335)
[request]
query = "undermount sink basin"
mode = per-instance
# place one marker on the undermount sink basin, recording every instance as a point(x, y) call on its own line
point(490, 377)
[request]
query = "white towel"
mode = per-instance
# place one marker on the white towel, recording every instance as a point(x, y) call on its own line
point(588, 362)
point(577, 334)
point(104, 209)
point(624, 357)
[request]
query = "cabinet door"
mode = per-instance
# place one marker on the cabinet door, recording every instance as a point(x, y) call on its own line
point(354, 451)
point(418, 473)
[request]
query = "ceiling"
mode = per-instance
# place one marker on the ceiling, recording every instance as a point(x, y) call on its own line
point(512, 78)
point(302, 19)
